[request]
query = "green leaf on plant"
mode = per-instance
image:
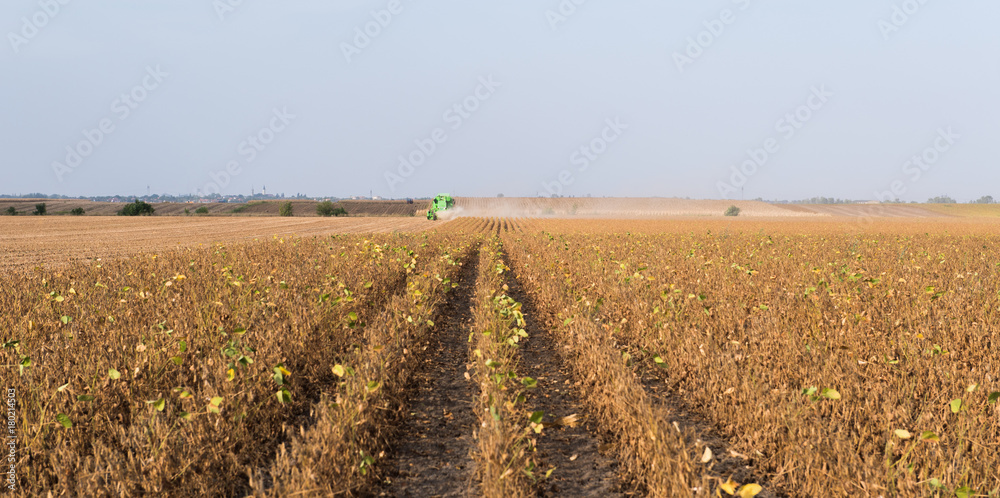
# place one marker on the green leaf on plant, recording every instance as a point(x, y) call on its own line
point(529, 382)
point(284, 396)
point(280, 373)
point(536, 417)
point(964, 492)
point(64, 420)
point(85, 397)
point(929, 436)
point(114, 374)
point(830, 393)
point(993, 397)
point(65, 319)
point(956, 405)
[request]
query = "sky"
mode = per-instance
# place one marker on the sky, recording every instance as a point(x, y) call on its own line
point(785, 99)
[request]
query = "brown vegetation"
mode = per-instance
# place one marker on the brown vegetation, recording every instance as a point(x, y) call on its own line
point(712, 358)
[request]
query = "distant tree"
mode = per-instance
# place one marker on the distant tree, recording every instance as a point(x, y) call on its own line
point(286, 209)
point(986, 199)
point(187, 211)
point(137, 208)
point(39, 209)
point(325, 208)
point(77, 211)
point(340, 212)
point(733, 211)
point(201, 210)
point(11, 211)
point(941, 199)
point(499, 195)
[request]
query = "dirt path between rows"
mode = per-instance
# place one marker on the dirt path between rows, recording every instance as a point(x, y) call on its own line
point(432, 457)
point(725, 463)
point(581, 469)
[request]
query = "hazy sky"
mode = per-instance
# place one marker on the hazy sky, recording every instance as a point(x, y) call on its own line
point(666, 98)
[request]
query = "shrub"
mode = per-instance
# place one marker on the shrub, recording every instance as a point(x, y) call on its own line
point(11, 211)
point(325, 208)
point(733, 211)
point(286, 209)
point(77, 211)
point(201, 210)
point(941, 199)
point(137, 208)
point(187, 211)
point(39, 209)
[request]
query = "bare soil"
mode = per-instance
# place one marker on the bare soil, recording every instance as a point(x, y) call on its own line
point(433, 455)
point(581, 469)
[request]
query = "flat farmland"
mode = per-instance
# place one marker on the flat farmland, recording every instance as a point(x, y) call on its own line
point(33, 240)
point(508, 357)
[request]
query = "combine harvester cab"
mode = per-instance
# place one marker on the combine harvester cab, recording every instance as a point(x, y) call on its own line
point(442, 202)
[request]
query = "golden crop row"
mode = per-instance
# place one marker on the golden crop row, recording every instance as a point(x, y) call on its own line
point(846, 364)
point(162, 373)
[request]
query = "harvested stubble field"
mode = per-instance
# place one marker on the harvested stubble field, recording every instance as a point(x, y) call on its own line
point(518, 357)
point(31, 241)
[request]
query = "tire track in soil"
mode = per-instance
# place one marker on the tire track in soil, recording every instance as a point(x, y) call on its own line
point(724, 464)
point(591, 473)
point(432, 456)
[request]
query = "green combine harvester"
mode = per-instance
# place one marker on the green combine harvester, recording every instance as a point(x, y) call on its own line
point(442, 202)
